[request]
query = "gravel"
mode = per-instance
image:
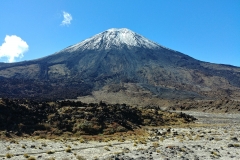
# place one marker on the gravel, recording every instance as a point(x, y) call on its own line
point(218, 139)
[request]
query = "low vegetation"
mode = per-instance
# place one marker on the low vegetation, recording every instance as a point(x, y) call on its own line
point(69, 118)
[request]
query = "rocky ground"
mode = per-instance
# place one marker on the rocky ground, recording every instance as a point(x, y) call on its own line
point(213, 136)
point(210, 106)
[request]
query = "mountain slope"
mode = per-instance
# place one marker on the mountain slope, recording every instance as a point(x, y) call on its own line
point(113, 60)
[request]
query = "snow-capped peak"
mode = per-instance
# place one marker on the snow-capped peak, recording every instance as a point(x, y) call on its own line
point(114, 37)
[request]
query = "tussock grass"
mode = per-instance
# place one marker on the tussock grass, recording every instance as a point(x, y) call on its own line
point(50, 152)
point(9, 155)
point(31, 158)
point(68, 150)
point(106, 148)
point(80, 157)
point(26, 155)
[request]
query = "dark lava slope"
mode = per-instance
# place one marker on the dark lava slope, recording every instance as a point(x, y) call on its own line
point(118, 57)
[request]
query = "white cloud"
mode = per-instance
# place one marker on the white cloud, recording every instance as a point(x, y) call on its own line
point(66, 18)
point(13, 47)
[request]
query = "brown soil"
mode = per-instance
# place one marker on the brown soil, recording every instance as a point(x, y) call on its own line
point(212, 106)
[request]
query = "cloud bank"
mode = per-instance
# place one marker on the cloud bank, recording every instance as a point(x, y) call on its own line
point(67, 18)
point(13, 47)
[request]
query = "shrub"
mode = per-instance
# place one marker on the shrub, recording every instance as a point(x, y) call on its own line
point(44, 144)
point(9, 155)
point(51, 158)
point(80, 157)
point(68, 150)
point(82, 140)
point(155, 145)
point(236, 145)
point(106, 148)
point(50, 152)
point(26, 155)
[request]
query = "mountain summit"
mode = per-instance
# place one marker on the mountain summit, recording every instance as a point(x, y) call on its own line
point(114, 38)
point(119, 66)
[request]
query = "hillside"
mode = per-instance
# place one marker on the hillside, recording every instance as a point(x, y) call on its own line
point(118, 63)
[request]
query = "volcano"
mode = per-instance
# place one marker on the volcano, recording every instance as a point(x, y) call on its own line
point(119, 65)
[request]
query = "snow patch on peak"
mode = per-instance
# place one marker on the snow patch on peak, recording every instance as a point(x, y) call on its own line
point(122, 30)
point(114, 37)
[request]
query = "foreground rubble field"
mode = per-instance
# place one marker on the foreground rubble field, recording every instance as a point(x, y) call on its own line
point(196, 141)
point(211, 136)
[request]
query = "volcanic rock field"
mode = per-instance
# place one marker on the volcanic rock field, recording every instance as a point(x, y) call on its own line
point(146, 133)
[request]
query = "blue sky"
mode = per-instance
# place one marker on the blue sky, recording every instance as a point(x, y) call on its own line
point(208, 30)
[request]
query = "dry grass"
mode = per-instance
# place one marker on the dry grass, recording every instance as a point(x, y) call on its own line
point(44, 144)
point(80, 157)
point(161, 139)
point(26, 155)
point(9, 155)
point(31, 158)
point(121, 136)
point(236, 145)
point(155, 144)
point(50, 152)
point(106, 148)
point(68, 150)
